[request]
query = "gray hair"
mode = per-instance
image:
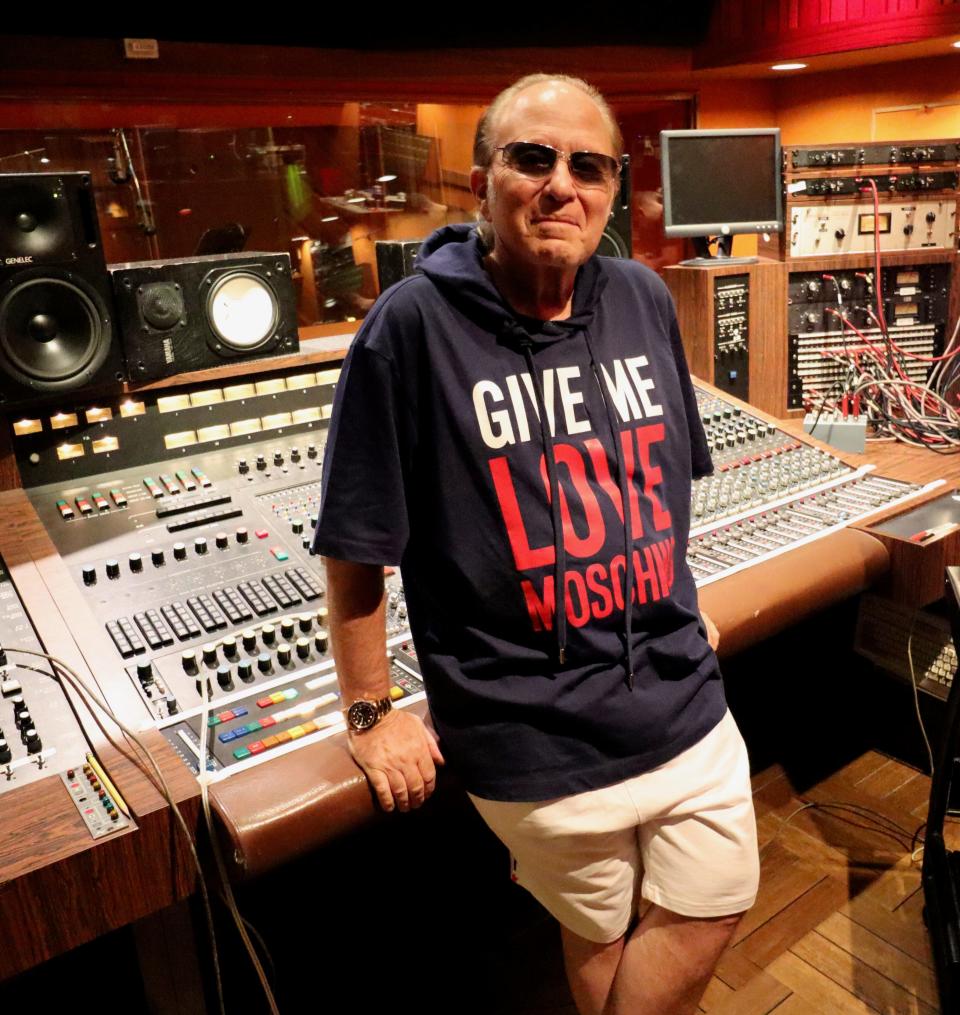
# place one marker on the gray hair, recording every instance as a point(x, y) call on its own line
point(483, 150)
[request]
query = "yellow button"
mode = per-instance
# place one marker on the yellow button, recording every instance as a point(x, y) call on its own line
point(396, 693)
point(277, 697)
point(296, 732)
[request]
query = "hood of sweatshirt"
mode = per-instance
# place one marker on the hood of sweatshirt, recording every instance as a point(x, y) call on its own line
point(452, 258)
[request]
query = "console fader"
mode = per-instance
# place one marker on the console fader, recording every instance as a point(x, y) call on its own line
point(193, 550)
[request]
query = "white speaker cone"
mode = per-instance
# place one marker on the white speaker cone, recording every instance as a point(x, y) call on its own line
point(242, 310)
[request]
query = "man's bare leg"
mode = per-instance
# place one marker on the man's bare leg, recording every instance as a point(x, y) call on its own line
point(591, 968)
point(662, 969)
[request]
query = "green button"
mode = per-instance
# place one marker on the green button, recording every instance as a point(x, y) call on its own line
point(213, 720)
point(240, 753)
point(290, 693)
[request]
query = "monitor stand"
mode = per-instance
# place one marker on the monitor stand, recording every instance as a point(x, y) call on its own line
point(705, 258)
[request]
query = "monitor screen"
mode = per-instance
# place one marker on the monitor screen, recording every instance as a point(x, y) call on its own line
point(719, 182)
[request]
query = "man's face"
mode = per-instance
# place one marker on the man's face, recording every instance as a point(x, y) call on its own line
point(554, 221)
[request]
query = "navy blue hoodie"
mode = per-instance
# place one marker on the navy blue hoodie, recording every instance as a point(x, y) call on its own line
point(490, 455)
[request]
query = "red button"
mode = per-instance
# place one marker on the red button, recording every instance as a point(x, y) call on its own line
point(262, 533)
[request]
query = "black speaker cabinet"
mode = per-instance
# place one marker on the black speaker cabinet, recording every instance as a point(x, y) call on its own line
point(195, 312)
point(616, 240)
point(395, 260)
point(56, 307)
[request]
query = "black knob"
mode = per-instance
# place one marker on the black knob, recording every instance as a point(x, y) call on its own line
point(286, 628)
point(222, 540)
point(840, 233)
point(224, 677)
point(23, 720)
point(210, 657)
point(33, 742)
point(113, 568)
point(157, 558)
point(321, 640)
point(249, 639)
point(18, 704)
point(202, 682)
point(269, 634)
point(89, 575)
point(283, 653)
point(230, 647)
point(145, 672)
point(931, 216)
point(307, 544)
point(311, 451)
point(297, 526)
point(189, 661)
point(245, 670)
point(136, 563)
point(303, 647)
point(179, 551)
point(242, 535)
point(264, 662)
point(907, 229)
point(261, 463)
point(304, 621)
point(6, 755)
point(294, 454)
point(200, 545)
point(242, 467)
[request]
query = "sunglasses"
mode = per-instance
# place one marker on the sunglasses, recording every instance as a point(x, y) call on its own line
point(537, 161)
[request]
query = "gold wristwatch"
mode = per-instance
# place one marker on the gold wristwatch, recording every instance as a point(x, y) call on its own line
point(364, 715)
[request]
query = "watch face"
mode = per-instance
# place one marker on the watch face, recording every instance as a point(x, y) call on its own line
point(361, 715)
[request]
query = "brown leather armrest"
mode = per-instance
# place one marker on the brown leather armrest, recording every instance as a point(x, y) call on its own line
point(763, 600)
point(283, 809)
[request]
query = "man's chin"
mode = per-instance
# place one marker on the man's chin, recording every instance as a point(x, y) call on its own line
point(560, 253)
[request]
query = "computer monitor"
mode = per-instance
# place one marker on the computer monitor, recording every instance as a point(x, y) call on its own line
point(720, 182)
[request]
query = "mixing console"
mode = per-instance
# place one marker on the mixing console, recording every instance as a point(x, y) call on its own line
point(198, 565)
point(39, 733)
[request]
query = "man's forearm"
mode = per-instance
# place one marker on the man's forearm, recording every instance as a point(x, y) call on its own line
point(358, 629)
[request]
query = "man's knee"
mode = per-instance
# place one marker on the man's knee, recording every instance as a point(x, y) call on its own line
point(713, 932)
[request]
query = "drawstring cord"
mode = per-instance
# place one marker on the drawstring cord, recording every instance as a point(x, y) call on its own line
point(627, 514)
point(560, 564)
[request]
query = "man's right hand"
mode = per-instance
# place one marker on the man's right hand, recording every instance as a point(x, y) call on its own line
point(399, 756)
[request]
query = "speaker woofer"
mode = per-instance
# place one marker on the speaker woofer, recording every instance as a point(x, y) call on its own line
point(54, 331)
point(243, 310)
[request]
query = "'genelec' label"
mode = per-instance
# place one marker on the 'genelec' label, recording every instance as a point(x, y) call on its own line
point(18, 260)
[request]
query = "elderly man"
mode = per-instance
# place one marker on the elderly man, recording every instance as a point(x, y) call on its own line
point(515, 426)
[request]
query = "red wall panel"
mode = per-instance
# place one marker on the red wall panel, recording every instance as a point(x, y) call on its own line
point(754, 31)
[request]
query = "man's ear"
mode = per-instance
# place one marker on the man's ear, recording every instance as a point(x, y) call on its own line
point(479, 185)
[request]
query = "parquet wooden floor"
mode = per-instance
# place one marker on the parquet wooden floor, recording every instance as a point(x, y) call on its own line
point(837, 927)
point(838, 923)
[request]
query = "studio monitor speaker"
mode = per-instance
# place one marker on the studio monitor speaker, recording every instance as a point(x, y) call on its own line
point(396, 259)
point(56, 307)
point(616, 240)
point(194, 312)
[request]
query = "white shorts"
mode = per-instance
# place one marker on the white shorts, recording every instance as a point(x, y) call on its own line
point(687, 828)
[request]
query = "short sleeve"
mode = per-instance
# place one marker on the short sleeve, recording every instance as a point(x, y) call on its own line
point(363, 505)
point(702, 463)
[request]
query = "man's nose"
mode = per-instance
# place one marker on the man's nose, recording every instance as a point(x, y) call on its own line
point(560, 183)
